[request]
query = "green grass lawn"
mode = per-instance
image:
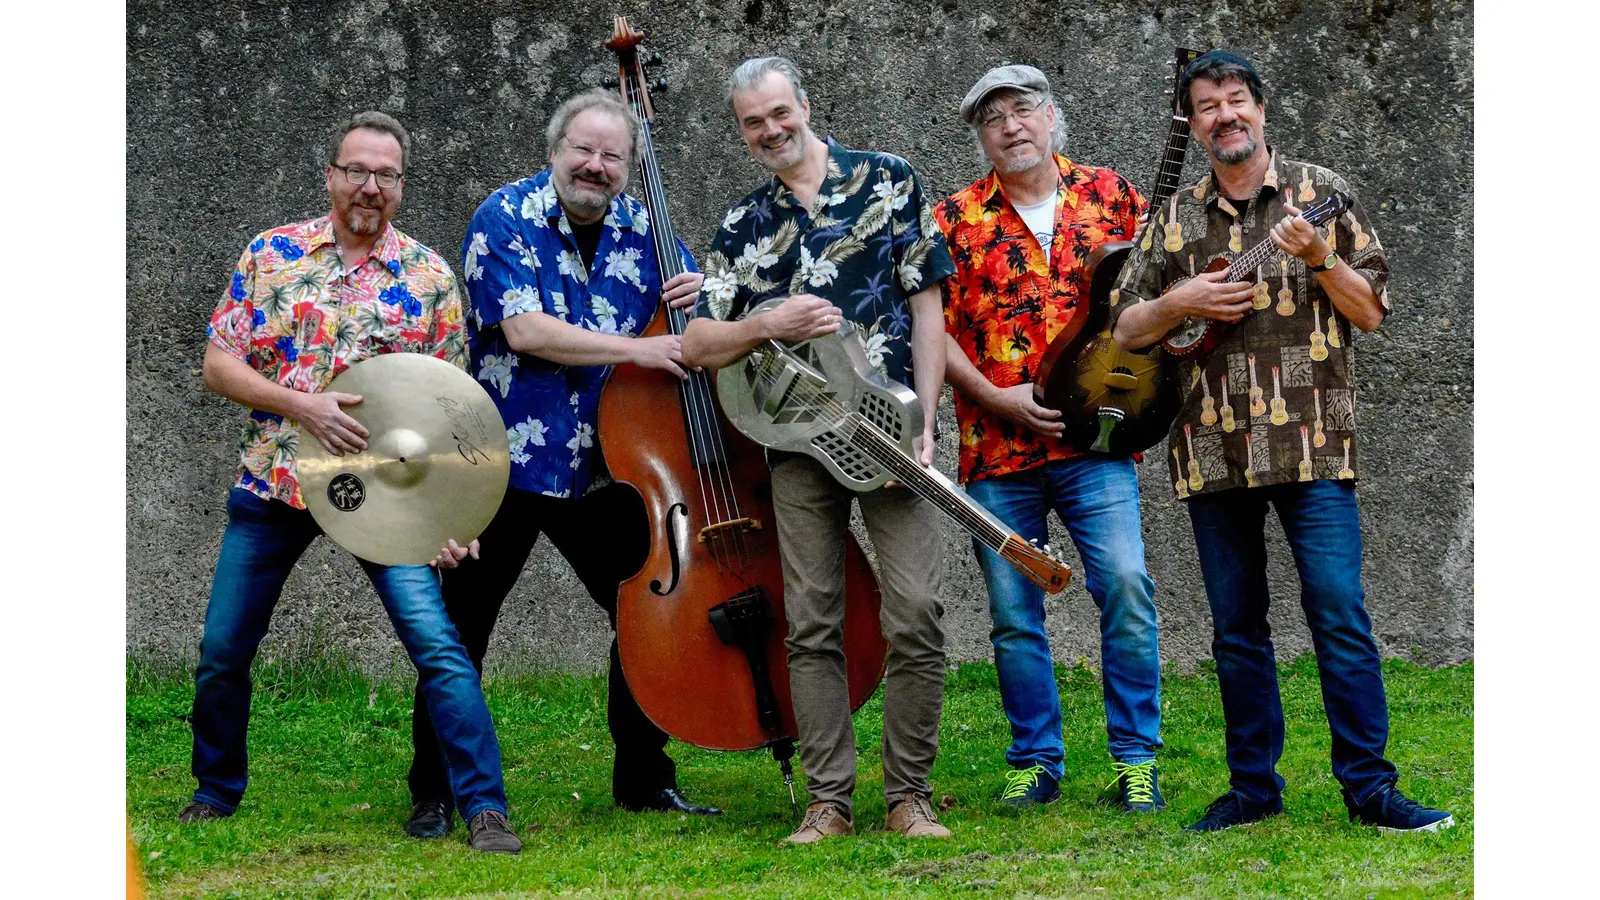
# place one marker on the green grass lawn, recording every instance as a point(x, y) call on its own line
point(327, 802)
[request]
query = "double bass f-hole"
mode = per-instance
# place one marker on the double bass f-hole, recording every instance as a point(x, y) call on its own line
point(677, 521)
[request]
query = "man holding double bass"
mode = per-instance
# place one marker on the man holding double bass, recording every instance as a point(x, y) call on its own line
point(1290, 323)
point(1021, 237)
point(562, 277)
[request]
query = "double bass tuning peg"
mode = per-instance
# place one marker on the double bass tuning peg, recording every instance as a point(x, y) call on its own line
point(610, 81)
point(658, 84)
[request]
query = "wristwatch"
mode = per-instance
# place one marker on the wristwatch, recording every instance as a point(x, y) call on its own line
point(1326, 265)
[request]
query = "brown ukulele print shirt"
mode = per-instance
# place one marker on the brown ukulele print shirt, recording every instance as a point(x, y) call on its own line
point(1276, 400)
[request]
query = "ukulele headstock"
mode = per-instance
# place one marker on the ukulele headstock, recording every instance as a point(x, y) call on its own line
point(1335, 204)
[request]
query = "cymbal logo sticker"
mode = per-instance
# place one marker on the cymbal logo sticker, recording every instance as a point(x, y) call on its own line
point(346, 492)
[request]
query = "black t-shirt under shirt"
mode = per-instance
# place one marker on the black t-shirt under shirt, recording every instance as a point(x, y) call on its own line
point(588, 239)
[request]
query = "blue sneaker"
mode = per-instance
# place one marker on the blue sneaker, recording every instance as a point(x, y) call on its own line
point(1032, 786)
point(1137, 788)
point(1395, 813)
point(1233, 809)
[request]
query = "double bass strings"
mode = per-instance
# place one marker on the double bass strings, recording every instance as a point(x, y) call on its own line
point(707, 448)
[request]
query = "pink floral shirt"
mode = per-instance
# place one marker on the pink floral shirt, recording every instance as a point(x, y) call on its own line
point(298, 316)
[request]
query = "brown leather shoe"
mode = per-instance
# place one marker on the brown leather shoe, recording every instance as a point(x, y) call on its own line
point(823, 819)
point(490, 831)
point(913, 817)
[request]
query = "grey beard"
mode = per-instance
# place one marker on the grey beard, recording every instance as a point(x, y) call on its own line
point(1232, 157)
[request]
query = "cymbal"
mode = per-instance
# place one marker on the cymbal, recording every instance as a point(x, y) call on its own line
point(436, 465)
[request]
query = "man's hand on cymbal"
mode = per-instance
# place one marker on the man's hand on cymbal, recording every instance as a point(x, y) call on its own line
point(452, 554)
point(682, 290)
point(321, 415)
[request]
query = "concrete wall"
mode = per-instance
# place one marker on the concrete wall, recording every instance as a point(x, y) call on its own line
point(228, 104)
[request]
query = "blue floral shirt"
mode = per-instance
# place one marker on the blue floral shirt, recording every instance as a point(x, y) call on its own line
point(520, 256)
point(867, 244)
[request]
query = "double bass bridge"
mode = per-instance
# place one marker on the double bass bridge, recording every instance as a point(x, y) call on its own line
point(744, 525)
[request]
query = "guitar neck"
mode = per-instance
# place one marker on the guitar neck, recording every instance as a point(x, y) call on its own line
point(1169, 176)
point(929, 483)
point(1246, 263)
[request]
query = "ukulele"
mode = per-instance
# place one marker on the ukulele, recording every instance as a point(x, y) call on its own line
point(1208, 407)
point(1317, 437)
point(1333, 328)
point(1319, 341)
point(1249, 460)
point(1195, 338)
point(1280, 415)
point(1346, 473)
point(1182, 484)
point(1227, 408)
point(1258, 406)
point(1195, 481)
point(1305, 448)
point(1286, 293)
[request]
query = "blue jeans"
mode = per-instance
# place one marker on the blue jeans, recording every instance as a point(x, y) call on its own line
point(1319, 519)
point(261, 544)
point(1098, 501)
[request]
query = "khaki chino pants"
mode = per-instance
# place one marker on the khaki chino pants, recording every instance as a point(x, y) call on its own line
point(813, 516)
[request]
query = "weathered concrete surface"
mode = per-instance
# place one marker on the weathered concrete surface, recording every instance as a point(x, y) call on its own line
point(228, 103)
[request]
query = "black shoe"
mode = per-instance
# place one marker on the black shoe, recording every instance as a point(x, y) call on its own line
point(667, 800)
point(1137, 788)
point(200, 811)
point(429, 819)
point(490, 832)
point(1032, 786)
point(1233, 809)
point(1395, 813)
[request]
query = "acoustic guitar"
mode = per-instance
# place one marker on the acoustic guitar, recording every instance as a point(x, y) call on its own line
point(1112, 400)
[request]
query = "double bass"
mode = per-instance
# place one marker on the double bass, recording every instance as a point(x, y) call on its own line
point(701, 627)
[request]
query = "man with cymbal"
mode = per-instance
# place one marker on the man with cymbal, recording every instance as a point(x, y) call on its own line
point(561, 275)
point(1289, 324)
point(1021, 237)
point(306, 302)
point(853, 227)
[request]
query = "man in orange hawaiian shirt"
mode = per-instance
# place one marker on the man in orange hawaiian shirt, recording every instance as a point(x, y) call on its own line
point(1021, 236)
point(305, 303)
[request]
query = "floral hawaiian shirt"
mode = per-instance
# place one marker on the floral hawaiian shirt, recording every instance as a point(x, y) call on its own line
point(520, 257)
point(1276, 401)
point(1007, 302)
point(867, 244)
point(300, 317)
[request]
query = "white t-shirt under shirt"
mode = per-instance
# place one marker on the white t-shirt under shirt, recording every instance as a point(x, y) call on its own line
point(1041, 220)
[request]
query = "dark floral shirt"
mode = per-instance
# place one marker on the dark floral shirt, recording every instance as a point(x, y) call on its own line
point(1276, 401)
point(1007, 302)
point(867, 244)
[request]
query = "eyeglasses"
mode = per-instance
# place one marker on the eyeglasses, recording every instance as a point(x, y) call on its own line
point(359, 174)
point(606, 156)
point(997, 120)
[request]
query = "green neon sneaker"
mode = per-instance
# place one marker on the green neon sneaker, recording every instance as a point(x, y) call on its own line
point(1137, 788)
point(1032, 786)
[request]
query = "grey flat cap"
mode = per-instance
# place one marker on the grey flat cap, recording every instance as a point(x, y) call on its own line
point(1025, 77)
